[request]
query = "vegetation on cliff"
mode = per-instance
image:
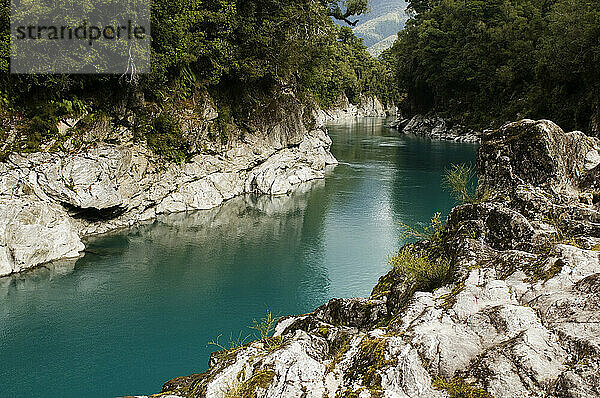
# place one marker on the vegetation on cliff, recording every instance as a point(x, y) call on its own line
point(244, 54)
point(488, 62)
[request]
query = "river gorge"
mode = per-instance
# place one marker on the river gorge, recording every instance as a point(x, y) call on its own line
point(143, 303)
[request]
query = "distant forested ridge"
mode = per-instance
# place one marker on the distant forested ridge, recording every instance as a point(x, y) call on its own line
point(244, 53)
point(486, 62)
point(379, 26)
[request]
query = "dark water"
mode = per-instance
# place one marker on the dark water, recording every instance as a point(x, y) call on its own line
point(141, 306)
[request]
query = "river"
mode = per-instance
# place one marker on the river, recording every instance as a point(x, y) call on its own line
point(143, 303)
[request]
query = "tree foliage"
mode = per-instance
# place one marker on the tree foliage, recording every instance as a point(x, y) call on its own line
point(342, 10)
point(240, 51)
point(347, 69)
point(491, 61)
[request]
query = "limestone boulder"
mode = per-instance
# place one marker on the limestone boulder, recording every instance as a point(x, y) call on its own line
point(32, 233)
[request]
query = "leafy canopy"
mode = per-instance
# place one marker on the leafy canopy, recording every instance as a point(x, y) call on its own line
point(244, 53)
point(488, 62)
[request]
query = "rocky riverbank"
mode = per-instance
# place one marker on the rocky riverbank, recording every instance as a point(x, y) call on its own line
point(516, 315)
point(344, 110)
point(435, 127)
point(50, 201)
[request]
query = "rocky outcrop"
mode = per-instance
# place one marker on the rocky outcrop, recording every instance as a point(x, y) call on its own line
point(34, 232)
point(520, 316)
point(434, 127)
point(50, 201)
point(345, 110)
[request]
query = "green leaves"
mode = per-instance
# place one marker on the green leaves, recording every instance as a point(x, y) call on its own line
point(486, 62)
point(244, 53)
point(348, 69)
point(344, 9)
point(460, 181)
point(165, 138)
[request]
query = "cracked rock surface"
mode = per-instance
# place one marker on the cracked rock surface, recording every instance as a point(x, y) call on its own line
point(50, 201)
point(520, 317)
point(367, 106)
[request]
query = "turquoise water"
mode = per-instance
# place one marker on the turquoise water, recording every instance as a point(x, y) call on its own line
point(142, 304)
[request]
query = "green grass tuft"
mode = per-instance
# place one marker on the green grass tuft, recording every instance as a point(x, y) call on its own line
point(432, 232)
point(418, 267)
point(461, 181)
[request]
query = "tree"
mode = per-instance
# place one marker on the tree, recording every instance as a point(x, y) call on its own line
point(344, 9)
point(483, 63)
point(244, 53)
point(420, 6)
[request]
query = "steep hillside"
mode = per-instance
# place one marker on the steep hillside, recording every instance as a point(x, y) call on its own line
point(379, 27)
point(379, 47)
point(379, 8)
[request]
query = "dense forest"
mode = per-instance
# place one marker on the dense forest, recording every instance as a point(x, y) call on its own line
point(477, 62)
point(243, 53)
point(485, 62)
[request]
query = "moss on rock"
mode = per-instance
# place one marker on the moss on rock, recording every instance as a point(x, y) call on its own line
point(459, 388)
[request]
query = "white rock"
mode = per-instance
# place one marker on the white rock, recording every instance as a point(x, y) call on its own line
point(33, 233)
point(592, 159)
point(111, 187)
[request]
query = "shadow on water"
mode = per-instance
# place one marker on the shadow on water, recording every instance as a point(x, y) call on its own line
point(141, 305)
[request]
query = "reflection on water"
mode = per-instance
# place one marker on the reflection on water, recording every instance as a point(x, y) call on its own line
point(140, 307)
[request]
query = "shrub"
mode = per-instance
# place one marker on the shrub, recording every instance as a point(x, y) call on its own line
point(459, 181)
point(418, 267)
point(432, 232)
point(265, 326)
point(165, 139)
point(235, 343)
